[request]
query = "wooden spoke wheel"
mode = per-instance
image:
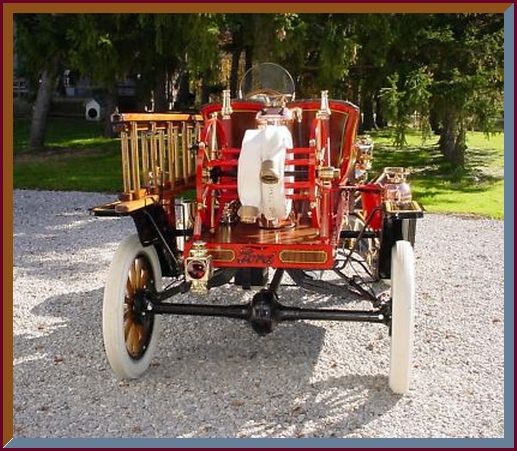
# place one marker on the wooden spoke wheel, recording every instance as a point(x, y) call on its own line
point(130, 333)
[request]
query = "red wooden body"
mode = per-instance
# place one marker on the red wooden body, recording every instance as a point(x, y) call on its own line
point(318, 202)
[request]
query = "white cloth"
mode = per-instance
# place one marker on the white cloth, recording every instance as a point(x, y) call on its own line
point(269, 143)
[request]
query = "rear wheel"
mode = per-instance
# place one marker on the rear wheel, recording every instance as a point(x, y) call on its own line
point(130, 334)
point(403, 313)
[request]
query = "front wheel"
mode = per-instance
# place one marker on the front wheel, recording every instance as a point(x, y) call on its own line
point(403, 313)
point(130, 335)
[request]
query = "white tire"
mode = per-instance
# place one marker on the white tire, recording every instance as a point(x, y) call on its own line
point(130, 338)
point(403, 314)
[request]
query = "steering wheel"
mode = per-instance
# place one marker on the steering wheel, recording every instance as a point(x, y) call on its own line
point(264, 94)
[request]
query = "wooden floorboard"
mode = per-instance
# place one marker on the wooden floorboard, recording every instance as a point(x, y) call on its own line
point(253, 234)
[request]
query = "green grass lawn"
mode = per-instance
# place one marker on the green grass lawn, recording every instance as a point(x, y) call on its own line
point(478, 189)
point(77, 158)
point(91, 171)
point(63, 134)
point(80, 159)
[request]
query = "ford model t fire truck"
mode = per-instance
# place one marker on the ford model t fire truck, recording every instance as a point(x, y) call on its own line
point(254, 191)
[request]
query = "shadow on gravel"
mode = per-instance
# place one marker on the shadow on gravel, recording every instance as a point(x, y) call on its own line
point(209, 378)
point(46, 251)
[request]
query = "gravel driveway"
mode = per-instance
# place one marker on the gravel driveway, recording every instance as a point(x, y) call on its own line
point(217, 378)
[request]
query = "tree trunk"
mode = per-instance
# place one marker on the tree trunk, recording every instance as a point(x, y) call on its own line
point(380, 122)
point(453, 141)
point(184, 99)
point(205, 89)
point(460, 146)
point(160, 99)
point(355, 88)
point(234, 75)
point(236, 51)
point(446, 141)
point(42, 107)
point(248, 64)
point(111, 106)
point(367, 122)
point(262, 42)
point(248, 57)
point(434, 121)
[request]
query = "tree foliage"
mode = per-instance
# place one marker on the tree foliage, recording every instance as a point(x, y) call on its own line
point(407, 103)
point(463, 59)
point(443, 71)
point(42, 40)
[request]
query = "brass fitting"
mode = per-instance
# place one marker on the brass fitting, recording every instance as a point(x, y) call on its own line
point(198, 268)
point(226, 109)
point(328, 173)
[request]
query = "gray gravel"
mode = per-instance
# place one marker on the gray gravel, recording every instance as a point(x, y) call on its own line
point(217, 378)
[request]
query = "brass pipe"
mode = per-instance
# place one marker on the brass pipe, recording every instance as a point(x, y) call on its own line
point(184, 150)
point(145, 159)
point(154, 156)
point(124, 139)
point(188, 153)
point(213, 144)
point(170, 154)
point(135, 160)
point(161, 153)
point(176, 144)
